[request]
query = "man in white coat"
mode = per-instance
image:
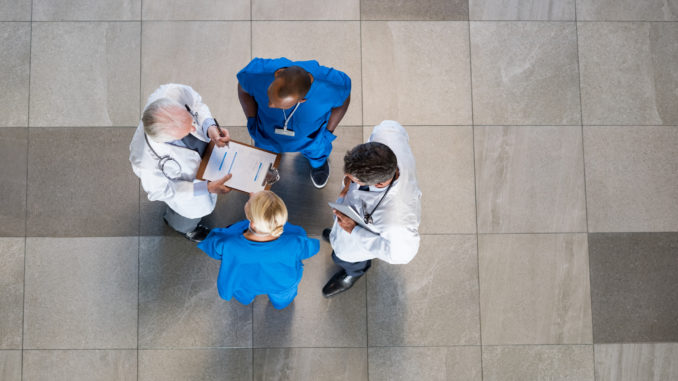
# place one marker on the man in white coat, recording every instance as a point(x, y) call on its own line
point(166, 151)
point(381, 186)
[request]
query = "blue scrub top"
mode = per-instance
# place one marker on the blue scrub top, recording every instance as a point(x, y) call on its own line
point(258, 268)
point(329, 90)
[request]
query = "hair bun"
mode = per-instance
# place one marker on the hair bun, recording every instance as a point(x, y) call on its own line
point(277, 232)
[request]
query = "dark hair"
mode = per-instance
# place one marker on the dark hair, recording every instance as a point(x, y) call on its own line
point(371, 163)
point(296, 82)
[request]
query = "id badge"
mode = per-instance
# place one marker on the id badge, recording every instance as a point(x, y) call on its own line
point(282, 131)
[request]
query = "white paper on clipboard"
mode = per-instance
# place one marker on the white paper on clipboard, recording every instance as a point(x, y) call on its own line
point(248, 166)
point(352, 214)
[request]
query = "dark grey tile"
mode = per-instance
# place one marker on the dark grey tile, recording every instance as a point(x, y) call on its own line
point(634, 287)
point(425, 363)
point(13, 161)
point(10, 365)
point(74, 365)
point(414, 10)
point(298, 364)
point(15, 53)
point(11, 292)
point(178, 301)
point(197, 364)
point(630, 10)
point(81, 293)
point(80, 183)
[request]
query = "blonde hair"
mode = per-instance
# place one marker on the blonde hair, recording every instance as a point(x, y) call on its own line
point(267, 212)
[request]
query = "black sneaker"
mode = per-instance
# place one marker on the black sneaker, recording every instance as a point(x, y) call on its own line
point(320, 175)
point(326, 234)
point(199, 234)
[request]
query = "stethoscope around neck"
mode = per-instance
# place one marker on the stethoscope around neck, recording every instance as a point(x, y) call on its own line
point(169, 166)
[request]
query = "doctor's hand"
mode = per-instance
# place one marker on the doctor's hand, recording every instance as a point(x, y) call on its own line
point(344, 221)
point(219, 139)
point(217, 186)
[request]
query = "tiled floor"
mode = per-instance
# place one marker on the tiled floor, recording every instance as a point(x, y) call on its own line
point(546, 138)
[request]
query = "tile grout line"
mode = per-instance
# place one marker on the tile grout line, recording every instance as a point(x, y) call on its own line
point(349, 20)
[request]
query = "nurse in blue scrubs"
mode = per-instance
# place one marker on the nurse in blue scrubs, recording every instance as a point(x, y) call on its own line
point(294, 106)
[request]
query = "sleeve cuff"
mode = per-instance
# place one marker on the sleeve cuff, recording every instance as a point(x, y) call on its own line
point(206, 124)
point(200, 188)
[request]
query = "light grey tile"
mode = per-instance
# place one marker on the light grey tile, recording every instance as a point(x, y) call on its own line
point(530, 179)
point(89, 10)
point(81, 293)
point(631, 182)
point(85, 74)
point(178, 301)
point(534, 289)
point(417, 73)
point(609, 10)
point(298, 364)
point(628, 73)
point(11, 292)
point(332, 43)
point(80, 183)
point(13, 162)
point(312, 320)
point(306, 10)
point(538, 362)
point(15, 54)
point(414, 10)
point(425, 363)
point(15, 10)
point(204, 55)
point(525, 73)
point(444, 156)
point(631, 362)
point(552, 10)
point(74, 365)
point(10, 365)
point(196, 10)
point(197, 364)
point(432, 300)
point(634, 292)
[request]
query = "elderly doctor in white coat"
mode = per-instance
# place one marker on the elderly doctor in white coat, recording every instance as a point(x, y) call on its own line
point(381, 185)
point(166, 151)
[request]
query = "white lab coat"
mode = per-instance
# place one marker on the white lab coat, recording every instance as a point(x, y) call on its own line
point(177, 194)
point(396, 221)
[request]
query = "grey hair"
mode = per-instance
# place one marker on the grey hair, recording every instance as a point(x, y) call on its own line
point(158, 120)
point(371, 163)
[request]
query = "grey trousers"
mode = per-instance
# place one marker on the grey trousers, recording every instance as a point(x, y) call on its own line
point(180, 223)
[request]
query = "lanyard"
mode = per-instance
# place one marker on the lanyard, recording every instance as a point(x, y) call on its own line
point(367, 217)
point(290, 117)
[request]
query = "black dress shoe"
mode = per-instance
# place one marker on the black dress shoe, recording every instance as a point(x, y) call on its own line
point(199, 234)
point(320, 175)
point(339, 283)
point(326, 234)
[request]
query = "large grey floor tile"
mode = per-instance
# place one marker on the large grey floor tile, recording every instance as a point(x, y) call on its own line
point(632, 362)
point(534, 289)
point(417, 73)
point(13, 162)
point(197, 364)
point(204, 55)
point(87, 365)
point(332, 43)
point(631, 182)
point(15, 10)
point(10, 365)
point(632, 10)
point(432, 300)
point(444, 157)
point(552, 10)
point(85, 74)
point(15, 54)
point(89, 10)
point(306, 10)
point(425, 363)
point(178, 301)
point(627, 73)
point(525, 73)
point(538, 362)
point(634, 292)
point(312, 320)
point(299, 364)
point(414, 10)
point(81, 293)
point(11, 292)
point(80, 183)
point(530, 179)
point(196, 10)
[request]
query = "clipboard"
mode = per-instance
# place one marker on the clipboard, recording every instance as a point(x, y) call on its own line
point(254, 169)
point(351, 213)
